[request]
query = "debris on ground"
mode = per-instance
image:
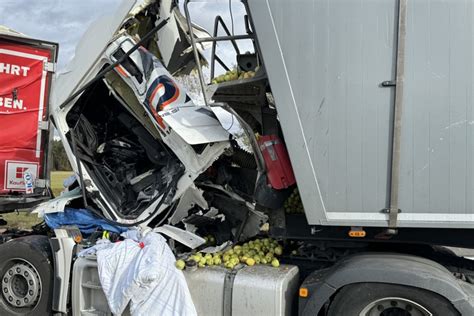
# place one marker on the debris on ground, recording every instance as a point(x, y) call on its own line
point(263, 251)
point(294, 205)
point(234, 74)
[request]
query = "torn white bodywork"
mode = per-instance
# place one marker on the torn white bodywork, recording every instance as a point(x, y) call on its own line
point(110, 185)
point(176, 56)
point(58, 204)
point(88, 52)
point(191, 198)
point(186, 238)
point(195, 124)
point(255, 218)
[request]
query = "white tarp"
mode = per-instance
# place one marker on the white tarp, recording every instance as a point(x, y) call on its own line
point(142, 273)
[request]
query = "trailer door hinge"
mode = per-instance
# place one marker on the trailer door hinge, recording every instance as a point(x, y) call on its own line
point(392, 220)
point(41, 183)
point(49, 67)
point(43, 125)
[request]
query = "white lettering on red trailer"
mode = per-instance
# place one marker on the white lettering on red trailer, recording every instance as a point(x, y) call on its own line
point(9, 103)
point(15, 70)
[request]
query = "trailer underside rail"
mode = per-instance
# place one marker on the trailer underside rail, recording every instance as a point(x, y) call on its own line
point(297, 228)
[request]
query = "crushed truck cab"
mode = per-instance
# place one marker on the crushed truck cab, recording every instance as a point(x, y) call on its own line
point(127, 139)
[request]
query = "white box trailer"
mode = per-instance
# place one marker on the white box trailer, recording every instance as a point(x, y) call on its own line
point(333, 67)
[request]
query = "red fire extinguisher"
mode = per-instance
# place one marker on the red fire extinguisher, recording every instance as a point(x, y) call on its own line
point(279, 171)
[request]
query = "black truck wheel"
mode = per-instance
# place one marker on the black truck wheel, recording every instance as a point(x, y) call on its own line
point(27, 276)
point(380, 299)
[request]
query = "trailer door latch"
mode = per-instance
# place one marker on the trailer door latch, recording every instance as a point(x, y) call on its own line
point(49, 67)
point(43, 125)
point(389, 83)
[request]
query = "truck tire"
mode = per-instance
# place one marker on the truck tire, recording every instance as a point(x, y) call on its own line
point(369, 299)
point(27, 276)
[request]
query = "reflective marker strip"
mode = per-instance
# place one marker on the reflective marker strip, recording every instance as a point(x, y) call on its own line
point(303, 292)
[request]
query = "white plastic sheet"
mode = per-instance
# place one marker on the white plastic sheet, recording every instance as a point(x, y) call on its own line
point(142, 273)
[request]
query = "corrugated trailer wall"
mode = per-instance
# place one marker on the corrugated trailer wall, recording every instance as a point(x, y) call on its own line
point(326, 61)
point(437, 135)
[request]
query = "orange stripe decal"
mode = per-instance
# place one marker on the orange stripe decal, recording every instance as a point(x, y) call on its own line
point(168, 102)
point(121, 71)
point(152, 96)
point(158, 118)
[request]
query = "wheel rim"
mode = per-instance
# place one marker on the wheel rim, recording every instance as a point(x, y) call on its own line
point(21, 284)
point(395, 306)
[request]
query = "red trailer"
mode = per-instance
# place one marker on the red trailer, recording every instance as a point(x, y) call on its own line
point(26, 67)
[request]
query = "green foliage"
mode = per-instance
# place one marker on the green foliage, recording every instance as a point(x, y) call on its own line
point(60, 161)
point(20, 220)
point(57, 179)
